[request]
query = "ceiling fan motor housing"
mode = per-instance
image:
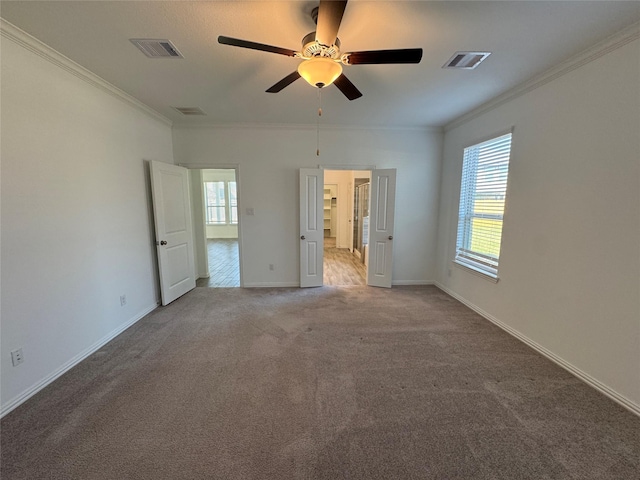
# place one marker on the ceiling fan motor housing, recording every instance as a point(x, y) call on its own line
point(311, 48)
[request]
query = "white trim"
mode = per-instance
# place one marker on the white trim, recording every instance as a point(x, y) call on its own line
point(615, 41)
point(29, 392)
point(585, 377)
point(348, 168)
point(476, 271)
point(22, 38)
point(207, 166)
point(412, 282)
point(271, 284)
point(240, 207)
point(309, 126)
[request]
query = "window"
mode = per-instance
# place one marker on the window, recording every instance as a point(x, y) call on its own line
point(482, 199)
point(215, 201)
point(222, 203)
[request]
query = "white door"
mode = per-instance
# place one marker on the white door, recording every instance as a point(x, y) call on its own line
point(311, 226)
point(381, 215)
point(174, 237)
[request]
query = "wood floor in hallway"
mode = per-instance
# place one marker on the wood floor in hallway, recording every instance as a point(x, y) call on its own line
point(341, 267)
point(224, 263)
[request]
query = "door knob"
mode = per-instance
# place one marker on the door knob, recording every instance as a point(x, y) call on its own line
point(302, 237)
point(163, 242)
point(390, 237)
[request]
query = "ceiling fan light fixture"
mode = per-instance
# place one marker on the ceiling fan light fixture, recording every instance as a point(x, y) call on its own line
point(320, 71)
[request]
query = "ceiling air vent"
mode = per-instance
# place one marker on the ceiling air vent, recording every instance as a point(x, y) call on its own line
point(466, 60)
point(156, 48)
point(190, 110)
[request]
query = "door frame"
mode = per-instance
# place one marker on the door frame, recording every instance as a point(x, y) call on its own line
point(223, 166)
point(351, 168)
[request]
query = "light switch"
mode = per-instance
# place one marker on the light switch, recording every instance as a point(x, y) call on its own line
point(249, 211)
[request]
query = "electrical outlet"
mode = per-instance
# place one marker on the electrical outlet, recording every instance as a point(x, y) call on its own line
point(123, 300)
point(17, 357)
point(271, 267)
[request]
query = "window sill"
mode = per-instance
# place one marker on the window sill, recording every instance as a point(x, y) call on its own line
point(476, 271)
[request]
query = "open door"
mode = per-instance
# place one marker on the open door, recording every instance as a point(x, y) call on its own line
point(381, 216)
point(174, 237)
point(311, 226)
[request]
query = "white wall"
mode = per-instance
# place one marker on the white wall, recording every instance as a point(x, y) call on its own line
point(269, 160)
point(569, 267)
point(77, 228)
point(222, 231)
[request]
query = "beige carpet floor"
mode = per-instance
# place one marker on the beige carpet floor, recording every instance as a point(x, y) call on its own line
point(325, 383)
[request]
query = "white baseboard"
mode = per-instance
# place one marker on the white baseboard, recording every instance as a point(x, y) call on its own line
point(585, 377)
point(31, 391)
point(289, 284)
point(270, 284)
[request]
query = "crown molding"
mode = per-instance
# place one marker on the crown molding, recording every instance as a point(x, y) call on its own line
point(22, 38)
point(611, 43)
point(306, 127)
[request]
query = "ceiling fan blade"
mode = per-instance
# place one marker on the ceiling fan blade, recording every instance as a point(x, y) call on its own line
point(286, 81)
point(235, 42)
point(347, 88)
point(329, 17)
point(404, 55)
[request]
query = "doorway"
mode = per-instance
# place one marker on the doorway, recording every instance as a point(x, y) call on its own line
point(379, 252)
point(345, 219)
point(221, 252)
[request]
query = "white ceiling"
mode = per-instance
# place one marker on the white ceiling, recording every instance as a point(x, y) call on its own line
point(229, 83)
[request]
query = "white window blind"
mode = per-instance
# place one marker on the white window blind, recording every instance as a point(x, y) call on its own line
point(482, 198)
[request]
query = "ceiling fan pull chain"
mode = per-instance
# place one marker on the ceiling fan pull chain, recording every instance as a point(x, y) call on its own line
point(318, 124)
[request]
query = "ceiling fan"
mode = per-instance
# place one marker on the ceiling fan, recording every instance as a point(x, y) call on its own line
point(321, 55)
